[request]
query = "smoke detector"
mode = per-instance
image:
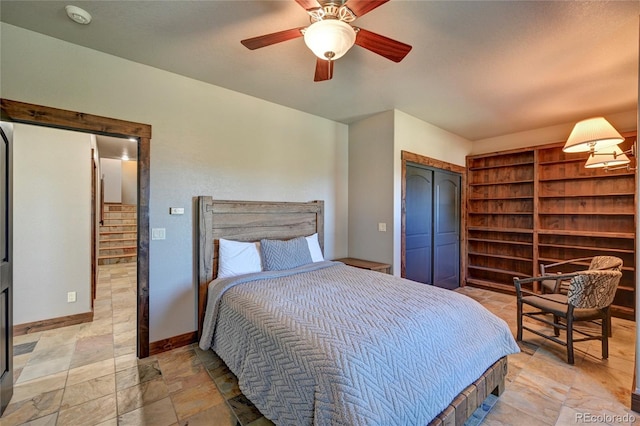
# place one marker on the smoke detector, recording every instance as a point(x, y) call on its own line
point(78, 15)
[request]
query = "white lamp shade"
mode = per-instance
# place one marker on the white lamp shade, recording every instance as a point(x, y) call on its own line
point(329, 39)
point(607, 159)
point(592, 134)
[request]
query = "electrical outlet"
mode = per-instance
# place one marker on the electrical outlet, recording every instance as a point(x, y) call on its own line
point(382, 227)
point(71, 296)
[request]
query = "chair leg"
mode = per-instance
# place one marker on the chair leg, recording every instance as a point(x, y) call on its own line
point(556, 330)
point(519, 314)
point(609, 324)
point(570, 358)
point(606, 332)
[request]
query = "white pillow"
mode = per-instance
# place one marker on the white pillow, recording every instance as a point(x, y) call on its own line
point(238, 258)
point(314, 248)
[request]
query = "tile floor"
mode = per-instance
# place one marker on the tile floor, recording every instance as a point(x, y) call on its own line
point(88, 375)
point(542, 389)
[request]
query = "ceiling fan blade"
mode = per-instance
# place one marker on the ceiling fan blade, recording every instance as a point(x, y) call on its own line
point(273, 38)
point(309, 4)
point(324, 70)
point(383, 46)
point(360, 7)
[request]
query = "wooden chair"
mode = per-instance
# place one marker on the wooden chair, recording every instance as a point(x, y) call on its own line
point(589, 298)
point(600, 263)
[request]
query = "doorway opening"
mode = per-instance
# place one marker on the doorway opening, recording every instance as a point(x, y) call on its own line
point(19, 112)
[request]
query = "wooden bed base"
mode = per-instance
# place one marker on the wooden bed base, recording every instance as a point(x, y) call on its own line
point(463, 406)
point(254, 220)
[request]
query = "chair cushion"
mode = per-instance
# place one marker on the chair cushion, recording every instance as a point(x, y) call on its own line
point(593, 289)
point(557, 304)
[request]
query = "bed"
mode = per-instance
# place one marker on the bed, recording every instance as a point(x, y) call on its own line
point(325, 343)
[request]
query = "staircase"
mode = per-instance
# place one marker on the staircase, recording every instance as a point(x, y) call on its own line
point(118, 234)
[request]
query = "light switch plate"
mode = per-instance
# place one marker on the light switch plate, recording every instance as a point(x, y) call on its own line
point(158, 234)
point(382, 227)
point(176, 210)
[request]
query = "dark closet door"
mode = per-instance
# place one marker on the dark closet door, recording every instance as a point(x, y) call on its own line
point(418, 224)
point(446, 232)
point(432, 226)
point(6, 295)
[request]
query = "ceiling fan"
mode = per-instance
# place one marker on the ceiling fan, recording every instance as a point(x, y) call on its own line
point(331, 34)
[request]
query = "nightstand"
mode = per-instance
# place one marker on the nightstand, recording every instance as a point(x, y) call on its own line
point(366, 264)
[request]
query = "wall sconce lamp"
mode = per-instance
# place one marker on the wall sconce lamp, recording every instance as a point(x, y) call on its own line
point(615, 160)
point(600, 139)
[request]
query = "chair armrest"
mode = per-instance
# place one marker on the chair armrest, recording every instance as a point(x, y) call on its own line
point(518, 282)
point(546, 277)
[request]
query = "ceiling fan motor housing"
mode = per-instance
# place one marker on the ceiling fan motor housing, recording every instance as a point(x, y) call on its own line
point(332, 10)
point(330, 34)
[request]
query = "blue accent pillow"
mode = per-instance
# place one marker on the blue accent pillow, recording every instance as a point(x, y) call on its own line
point(278, 255)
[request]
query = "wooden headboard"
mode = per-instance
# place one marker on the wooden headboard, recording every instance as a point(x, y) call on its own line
point(248, 221)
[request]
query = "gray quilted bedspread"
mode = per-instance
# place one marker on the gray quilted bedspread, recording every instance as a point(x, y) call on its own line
point(329, 344)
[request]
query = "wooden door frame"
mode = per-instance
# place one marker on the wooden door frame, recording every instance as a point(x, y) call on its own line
point(6, 334)
point(410, 157)
point(20, 112)
point(94, 269)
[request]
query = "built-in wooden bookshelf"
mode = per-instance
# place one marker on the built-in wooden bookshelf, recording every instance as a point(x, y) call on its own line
point(500, 218)
point(541, 205)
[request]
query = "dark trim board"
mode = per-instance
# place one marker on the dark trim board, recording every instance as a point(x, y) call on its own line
point(635, 400)
point(171, 343)
point(50, 324)
point(20, 112)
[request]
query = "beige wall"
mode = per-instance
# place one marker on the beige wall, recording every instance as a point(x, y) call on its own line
point(371, 188)
point(52, 223)
point(206, 141)
point(111, 172)
point(129, 182)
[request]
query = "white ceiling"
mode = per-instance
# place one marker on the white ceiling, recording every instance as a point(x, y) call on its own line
point(478, 68)
point(117, 148)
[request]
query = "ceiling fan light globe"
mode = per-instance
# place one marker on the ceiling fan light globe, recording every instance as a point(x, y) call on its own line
point(329, 39)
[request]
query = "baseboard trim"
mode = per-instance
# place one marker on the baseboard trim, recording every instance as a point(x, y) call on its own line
point(635, 401)
point(50, 324)
point(174, 342)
